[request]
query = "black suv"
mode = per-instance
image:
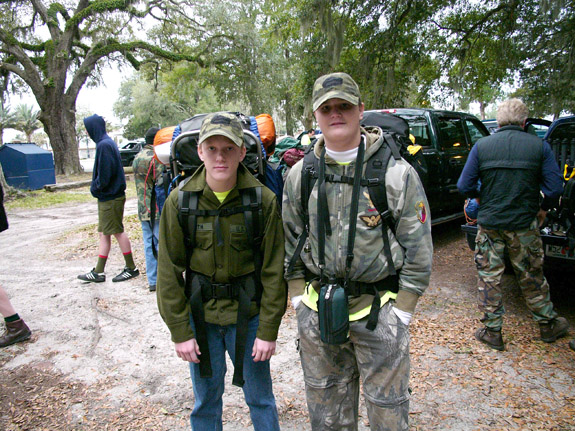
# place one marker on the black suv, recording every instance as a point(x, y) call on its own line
point(446, 138)
point(129, 151)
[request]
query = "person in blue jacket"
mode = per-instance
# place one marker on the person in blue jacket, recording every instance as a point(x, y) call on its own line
point(513, 167)
point(108, 186)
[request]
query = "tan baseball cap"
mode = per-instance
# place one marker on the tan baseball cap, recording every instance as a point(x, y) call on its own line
point(335, 86)
point(222, 124)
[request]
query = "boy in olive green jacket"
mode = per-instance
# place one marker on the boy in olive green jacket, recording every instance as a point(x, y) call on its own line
point(232, 296)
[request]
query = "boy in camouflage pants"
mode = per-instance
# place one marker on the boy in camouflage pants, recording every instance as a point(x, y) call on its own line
point(379, 356)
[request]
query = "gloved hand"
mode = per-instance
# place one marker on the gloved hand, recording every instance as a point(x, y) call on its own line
point(295, 301)
point(404, 316)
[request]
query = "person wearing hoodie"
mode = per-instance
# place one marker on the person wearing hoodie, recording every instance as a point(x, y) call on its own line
point(108, 186)
point(355, 281)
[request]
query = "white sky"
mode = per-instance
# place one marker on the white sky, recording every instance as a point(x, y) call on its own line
point(98, 100)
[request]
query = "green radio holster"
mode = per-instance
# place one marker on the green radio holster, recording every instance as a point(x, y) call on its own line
point(333, 311)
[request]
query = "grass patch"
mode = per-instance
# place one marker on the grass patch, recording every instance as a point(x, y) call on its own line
point(42, 199)
point(35, 199)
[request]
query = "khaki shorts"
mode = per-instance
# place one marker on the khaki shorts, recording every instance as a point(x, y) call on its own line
point(110, 215)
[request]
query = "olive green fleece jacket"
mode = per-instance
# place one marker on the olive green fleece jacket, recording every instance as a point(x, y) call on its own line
point(220, 263)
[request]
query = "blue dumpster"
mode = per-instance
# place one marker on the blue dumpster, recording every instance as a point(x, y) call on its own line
point(27, 166)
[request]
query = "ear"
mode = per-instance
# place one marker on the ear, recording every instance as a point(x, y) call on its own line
point(361, 109)
point(242, 153)
point(201, 151)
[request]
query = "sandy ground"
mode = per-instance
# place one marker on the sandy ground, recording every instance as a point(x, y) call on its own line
point(101, 354)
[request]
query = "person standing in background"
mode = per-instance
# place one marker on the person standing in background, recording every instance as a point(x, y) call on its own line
point(146, 170)
point(108, 186)
point(513, 167)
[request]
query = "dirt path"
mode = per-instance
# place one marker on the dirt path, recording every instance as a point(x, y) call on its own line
point(101, 358)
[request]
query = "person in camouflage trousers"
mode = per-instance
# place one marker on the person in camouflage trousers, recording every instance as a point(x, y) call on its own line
point(378, 356)
point(512, 167)
point(146, 170)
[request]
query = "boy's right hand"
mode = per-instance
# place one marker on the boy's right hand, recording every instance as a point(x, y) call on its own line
point(188, 351)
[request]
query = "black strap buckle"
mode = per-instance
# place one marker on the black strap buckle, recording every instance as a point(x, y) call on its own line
point(223, 291)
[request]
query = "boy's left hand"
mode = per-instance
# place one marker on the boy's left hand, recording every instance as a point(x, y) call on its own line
point(263, 350)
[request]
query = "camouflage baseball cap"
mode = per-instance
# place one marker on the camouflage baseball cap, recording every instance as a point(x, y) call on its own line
point(335, 85)
point(222, 124)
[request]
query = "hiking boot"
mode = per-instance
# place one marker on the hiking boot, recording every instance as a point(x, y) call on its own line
point(152, 288)
point(126, 274)
point(572, 344)
point(93, 277)
point(554, 329)
point(492, 338)
point(15, 332)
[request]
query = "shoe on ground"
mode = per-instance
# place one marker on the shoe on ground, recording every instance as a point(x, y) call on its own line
point(572, 344)
point(492, 338)
point(152, 287)
point(554, 329)
point(93, 277)
point(126, 274)
point(16, 332)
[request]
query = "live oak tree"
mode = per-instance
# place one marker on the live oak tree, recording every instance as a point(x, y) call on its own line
point(57, 48)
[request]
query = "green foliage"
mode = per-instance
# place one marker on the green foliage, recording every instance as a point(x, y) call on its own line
point(26, 120)
point(144, 107)
point(7, 118)
point(548, 65)
point(263, 56)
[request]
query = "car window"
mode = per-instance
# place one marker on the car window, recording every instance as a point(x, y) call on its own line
point(419, 129)
point(537, 130)
point(131, 146)
point(475, 131)
point(451, 133)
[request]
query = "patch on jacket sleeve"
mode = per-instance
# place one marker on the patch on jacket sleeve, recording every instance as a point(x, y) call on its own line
point(421, 211)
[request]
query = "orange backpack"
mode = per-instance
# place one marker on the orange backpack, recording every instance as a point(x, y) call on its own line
point(267, 131)
point(162, 144)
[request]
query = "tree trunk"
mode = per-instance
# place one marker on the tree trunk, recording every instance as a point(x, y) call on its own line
point(308, 117)
point(482, 110)
point(289, 114)
point(59, 124)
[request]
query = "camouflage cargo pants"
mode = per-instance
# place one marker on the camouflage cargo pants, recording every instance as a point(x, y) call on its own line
point(332, 372)
point(525, 251)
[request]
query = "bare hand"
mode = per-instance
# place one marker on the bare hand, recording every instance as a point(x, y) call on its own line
point(189, 351)
point(541, 217)
point(263, 350)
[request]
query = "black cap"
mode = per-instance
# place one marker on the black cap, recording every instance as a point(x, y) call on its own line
point(150, 135)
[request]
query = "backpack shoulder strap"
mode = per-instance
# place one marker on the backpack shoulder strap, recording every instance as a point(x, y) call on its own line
point(254, 219)
point(375, 173)
point(392, 143)
point(307, 181)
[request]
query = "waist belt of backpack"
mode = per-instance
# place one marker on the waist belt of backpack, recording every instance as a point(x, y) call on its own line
point(358, 288)
point(242, 291)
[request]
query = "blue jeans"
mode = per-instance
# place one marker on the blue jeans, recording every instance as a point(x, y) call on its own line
point(207, 413)
point(151, 262)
